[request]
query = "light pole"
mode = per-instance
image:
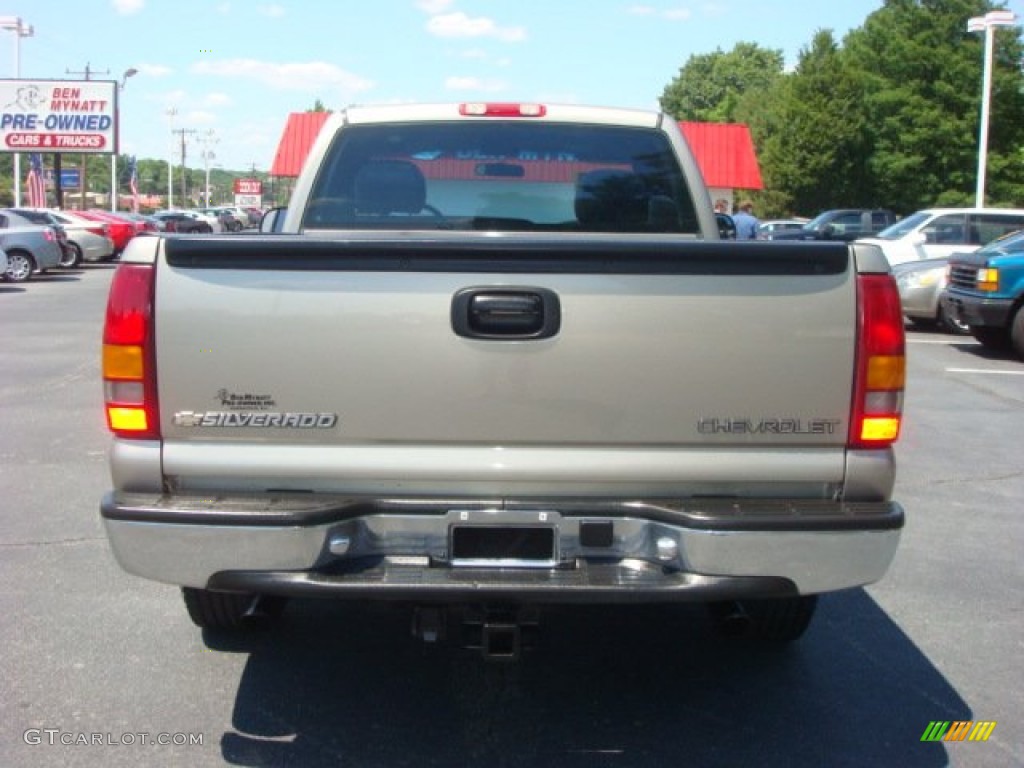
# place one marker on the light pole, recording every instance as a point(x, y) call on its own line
point(20, 29)
point(130, 72)
point(986, 24)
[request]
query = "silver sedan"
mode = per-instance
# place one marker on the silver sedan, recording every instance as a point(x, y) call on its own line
point(920, 284)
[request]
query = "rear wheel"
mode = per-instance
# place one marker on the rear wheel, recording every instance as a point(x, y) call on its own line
point(775, 621)
point(72, 257)
point(1017, 332)
point(19, 267)
point(230, 610)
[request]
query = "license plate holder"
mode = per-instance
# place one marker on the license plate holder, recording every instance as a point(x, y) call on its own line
point(503, 546)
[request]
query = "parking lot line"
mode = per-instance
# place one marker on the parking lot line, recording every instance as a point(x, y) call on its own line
point(984, 370)
point(951, 340)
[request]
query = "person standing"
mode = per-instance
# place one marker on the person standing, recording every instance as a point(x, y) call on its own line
point(746, 221)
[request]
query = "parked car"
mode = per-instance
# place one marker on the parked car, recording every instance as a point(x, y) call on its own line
point(141, 221)
point(29, 247)
point(255, 216)
point(239, 214)
point(940, 232)
point(228, 223)
point(121, 231)
point(138, 221)
point(3, 261)
point(920, 284)
point(767, 230)
point(89, 240)
point(30, 216)
point(846, 224)
point(211, 221)
point(180, 221)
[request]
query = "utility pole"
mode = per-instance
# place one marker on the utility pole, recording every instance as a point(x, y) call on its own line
point(88, 73)
point(183, 132)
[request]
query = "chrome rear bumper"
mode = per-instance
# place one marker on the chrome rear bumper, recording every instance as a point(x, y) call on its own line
point(652, 550)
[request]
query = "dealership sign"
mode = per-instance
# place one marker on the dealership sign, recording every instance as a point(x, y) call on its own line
point(58, 116)
point(248, 187)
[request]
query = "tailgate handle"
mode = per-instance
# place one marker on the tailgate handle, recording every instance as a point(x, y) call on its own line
point(506, 313)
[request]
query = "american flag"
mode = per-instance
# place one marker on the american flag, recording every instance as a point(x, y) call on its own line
point(35, 182)
point(133, 183)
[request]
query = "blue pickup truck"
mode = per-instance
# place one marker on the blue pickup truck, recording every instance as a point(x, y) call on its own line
point(986, 292)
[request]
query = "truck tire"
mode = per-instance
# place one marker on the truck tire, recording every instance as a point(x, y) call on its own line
point(230, 610)
point(773, 622)
point(1017, 332)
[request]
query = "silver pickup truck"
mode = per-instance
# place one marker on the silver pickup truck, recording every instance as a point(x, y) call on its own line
point(496, 357)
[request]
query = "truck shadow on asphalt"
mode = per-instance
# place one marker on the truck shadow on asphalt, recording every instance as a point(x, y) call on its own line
point(346, 684)
point(985, 353)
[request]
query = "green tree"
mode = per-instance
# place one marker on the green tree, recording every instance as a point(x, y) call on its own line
point(921, 72)
point(709, 87)
point(812, 135)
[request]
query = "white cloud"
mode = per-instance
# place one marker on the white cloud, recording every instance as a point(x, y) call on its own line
point(198, 117)
point(677, 14)
point(217, 100)
point(307, 77)
point(459, 25)
point(473, 84)
point(642, 10)
point(154, 70)
point(434, 7)
point(128, 7)
point(173, 97)
point(271, 11)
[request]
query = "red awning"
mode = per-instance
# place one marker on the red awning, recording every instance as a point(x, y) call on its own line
point(299, 134)
point(725, 154)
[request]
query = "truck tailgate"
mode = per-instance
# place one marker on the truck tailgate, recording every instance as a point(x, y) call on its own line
point(685, 367)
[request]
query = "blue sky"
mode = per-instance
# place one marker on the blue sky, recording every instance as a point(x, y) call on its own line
point(234, 70)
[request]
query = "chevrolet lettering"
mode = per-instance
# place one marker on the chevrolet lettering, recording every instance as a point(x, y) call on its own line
point(767, 426)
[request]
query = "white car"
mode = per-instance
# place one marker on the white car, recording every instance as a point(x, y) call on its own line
point(88, 240)
point(939, 232)
point(3, 261)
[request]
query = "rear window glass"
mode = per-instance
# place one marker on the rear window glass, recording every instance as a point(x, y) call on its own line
point(501, 175)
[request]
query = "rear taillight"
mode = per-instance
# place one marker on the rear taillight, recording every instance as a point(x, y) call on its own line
point(881, 364)
point(129, 362)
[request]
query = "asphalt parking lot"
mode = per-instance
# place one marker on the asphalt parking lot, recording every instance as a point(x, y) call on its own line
point(96, 656)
